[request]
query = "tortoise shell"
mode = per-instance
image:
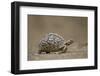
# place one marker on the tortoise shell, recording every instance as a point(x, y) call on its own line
point(51, 42)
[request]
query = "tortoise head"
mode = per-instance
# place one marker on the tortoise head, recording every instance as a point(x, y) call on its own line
point(69, 42)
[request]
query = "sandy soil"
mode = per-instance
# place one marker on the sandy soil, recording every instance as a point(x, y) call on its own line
point(68, 55)
point(74, 52)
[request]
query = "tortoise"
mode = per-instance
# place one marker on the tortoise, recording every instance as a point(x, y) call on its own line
point(52, 42)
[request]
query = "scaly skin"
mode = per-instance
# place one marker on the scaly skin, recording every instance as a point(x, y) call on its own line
point(64, 48)
point(61, 50)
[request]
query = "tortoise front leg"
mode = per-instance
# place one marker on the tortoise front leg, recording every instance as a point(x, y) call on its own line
point(63, 49)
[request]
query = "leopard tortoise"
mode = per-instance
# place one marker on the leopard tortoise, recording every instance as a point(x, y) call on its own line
point(53, 42)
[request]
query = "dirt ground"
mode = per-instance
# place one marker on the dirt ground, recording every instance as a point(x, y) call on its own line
point(73, 52)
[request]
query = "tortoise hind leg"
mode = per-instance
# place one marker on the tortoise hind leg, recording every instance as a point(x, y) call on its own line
point(40, 52)
point(47, 52)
